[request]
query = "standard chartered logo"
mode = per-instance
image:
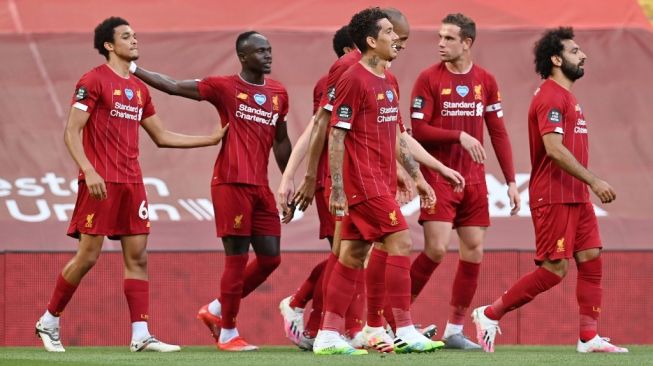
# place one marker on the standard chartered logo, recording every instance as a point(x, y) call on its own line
point(462, 109)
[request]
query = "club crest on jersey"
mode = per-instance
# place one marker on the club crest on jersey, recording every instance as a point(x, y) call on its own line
point(81, 93)
point(462, 90)
point(418, 103)
point(129, 93)
point(478, 92)
point(260, 99)
point(393, 218)
point(390, 95)
point(138, 96)
point(275, 103)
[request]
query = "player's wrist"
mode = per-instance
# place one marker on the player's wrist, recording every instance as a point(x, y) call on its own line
point(132, 67)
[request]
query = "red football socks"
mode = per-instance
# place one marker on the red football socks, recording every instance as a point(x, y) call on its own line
point(420, 273)
point(137, 293)
point(397, 278)
point(340, 293)
point(61, 295)
point(463, 290)
point(258, 271)
point(231, 288)
point(354, 316)
point(375, 280)
point(589, 294)
point(522, 292)
point(304, 293)
point(326, 277)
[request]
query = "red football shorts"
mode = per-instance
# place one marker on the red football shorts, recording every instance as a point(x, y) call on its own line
point(373, 219)
point(245, 210)
point(327, 221)
point(466, 208)
point(564, 229)
point(123, 212)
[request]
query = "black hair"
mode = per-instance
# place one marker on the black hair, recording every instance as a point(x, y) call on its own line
point(550, 44)
point(242, 38)
point(104, 32)
point(466, 24)
point(365, 24)
point(341, 40)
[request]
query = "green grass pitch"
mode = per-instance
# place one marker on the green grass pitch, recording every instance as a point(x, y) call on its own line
point(289, 356)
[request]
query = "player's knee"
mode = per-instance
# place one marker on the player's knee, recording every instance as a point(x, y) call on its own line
point(269, 263)
point(435, 252)
point(560, 267)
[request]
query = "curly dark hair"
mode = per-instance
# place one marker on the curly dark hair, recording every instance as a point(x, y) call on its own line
point(550, 44)
point(104, 32)
point(466, 24)
point(365, 24)
point(242, 38)
point(341, 40)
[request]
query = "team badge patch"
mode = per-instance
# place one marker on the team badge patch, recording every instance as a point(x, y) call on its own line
point(129, 93)
point(462, 90)
point(418, 103)
point(390, 95)
point(554, 116)
point(478, 92)
point(260, 99)
point(81, 93)
point(344, 112)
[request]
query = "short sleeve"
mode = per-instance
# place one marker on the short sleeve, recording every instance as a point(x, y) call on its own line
point(346, 103)
point(148, 106)
point(211, 89)
point(550, 113)
point(87, 93)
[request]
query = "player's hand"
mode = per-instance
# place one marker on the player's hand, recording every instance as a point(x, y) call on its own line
point(96, 186)
point(473, 147)
point(404, 186)
point(218, 133)
point(603, 191)
point(305, 193)
point(455, 178)
point(515, 199)
point(338, 202)
point(288, 214)
point(426, 194)
point(285, 193)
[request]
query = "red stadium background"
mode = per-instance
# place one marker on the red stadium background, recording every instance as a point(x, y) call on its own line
point(47, 46)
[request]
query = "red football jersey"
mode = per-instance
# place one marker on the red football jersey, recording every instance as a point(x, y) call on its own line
point(337, 69)
point(253, 112)
point(555, 110)
point(444, 104)
point(117, 105)
point(368, 107)
point(318, 91)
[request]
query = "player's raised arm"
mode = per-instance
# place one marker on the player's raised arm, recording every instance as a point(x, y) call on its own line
point(182, 88)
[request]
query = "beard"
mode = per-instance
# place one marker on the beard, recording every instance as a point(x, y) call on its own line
point(571, 71)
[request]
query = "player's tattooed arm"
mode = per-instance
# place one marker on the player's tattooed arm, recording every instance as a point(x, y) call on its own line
point(406, 158)
point(338, 200)
point(183, 88)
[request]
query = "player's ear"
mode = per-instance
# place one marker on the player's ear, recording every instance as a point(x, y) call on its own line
point(556, 60)
point(108, 46)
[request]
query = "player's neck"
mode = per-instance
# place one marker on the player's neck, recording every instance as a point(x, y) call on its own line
point(252, 77)
point(560, 79)
point(119, 66)
point(461, 66)
point(374, 64)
